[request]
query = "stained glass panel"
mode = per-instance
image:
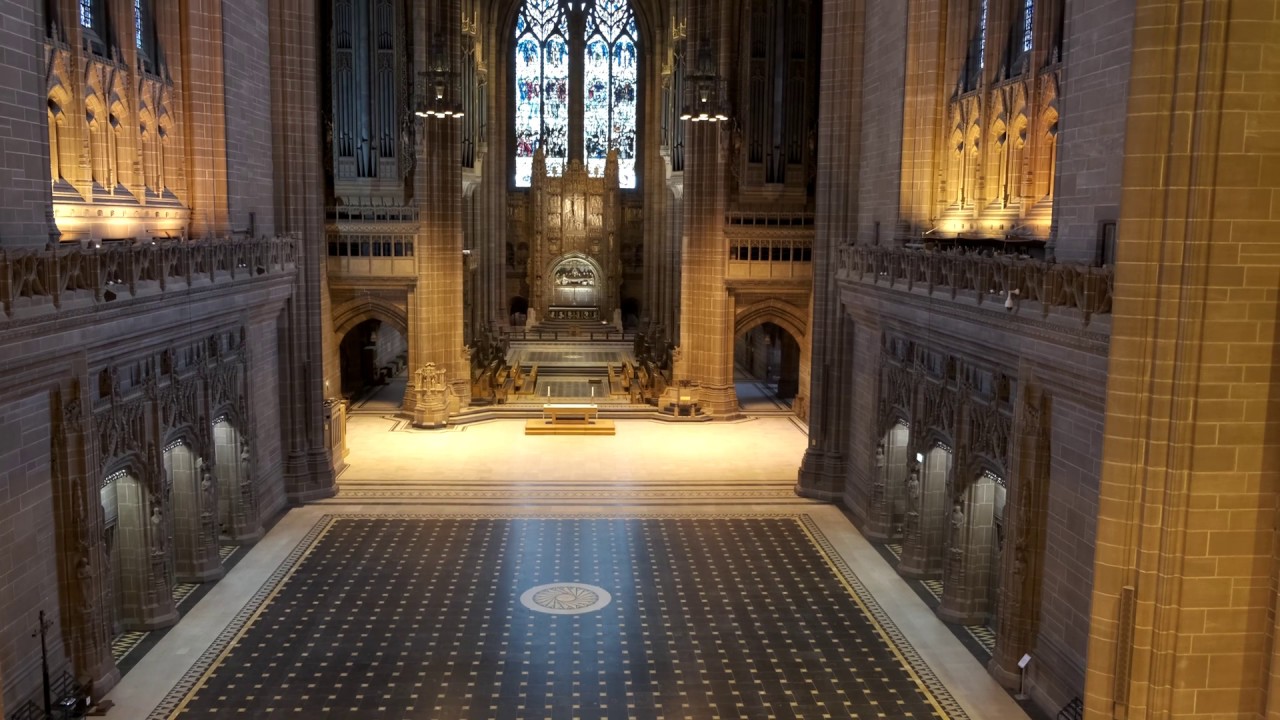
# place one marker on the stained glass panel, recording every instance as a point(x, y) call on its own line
point(555, 109)
point(86, 13)
point(541, 87)
point(982, 34)
point(137, 24)
point(1028, 14)
point(595, 108)
point(610, 89)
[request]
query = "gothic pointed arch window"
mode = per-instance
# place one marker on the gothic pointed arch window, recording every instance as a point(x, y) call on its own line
point(542, 87)
point(599, 60)
point(609, 89)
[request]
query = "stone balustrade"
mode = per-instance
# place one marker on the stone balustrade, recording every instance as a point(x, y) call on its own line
point(57, 277)
point(983, 280)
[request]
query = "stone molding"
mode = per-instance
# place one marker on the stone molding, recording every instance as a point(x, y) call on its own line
point(984, 280)
point(56, 278)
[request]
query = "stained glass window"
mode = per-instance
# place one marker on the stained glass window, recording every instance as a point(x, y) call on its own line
point(543, 52)
point(609, 107)
point(86, 13)
point(1028, 14)
point(542, 87)
point(982, 34)
point(137, 24)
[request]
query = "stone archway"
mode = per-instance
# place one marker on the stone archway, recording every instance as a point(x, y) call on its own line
point(370, 354)
point(353, 312)
point(893, 462)
point(138, 548)
point(237, 518)
point(769, 355)
point(925, 536)
point(793, 319)
point(193, 513)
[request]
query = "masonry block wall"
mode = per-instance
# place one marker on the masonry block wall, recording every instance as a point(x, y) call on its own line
point(28, 574)
point(24, 133)
point(1075, 451)
point(95, 380)
point(1184, 597)
point(884, 75)
point(1098, 47)
point(247, 78)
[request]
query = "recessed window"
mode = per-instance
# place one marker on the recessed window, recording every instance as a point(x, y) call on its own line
point(545, 50)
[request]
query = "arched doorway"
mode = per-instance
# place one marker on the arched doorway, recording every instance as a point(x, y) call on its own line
point(892, 464)
point(766, 361)
point(630, 313)
point(124, 509)
point(373, 356)
point(238, 520)
point(976, 545)
point(927, 514)
point(193, 520)
point(518, 310)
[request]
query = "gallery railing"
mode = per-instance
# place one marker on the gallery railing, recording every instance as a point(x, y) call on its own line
point(520, 334)
point(1006, 281)
point(58, 276)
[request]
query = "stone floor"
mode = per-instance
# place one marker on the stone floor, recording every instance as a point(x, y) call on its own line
point(401, 598)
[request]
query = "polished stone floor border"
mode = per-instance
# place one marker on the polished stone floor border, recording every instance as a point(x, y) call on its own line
point(934, 689)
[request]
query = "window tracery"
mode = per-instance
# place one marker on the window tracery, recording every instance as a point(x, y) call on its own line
point(542, 87)
point(1028, 17)
point(546, 52)
point(609, 92)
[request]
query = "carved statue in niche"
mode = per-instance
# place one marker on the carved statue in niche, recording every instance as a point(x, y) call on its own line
point(157, 527)
point(913, 488)
point(957, 525)
point(84, 584)
point(208, 508)
point(880, 459)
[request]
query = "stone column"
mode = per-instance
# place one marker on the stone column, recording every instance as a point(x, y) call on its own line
point(1185, 568)
point(300, 211)
point(82, 561)
point(822, 471)
point(435, 304)
point(151, 596)
point(923, 110)
point(706, 318)
point(1022, 558)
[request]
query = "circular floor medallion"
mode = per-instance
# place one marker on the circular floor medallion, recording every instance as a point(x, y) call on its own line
point(565, 598)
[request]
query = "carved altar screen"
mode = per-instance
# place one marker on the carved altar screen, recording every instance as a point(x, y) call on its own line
point(574, 266)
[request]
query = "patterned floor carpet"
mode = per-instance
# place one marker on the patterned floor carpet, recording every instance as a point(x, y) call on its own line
point(501, 617)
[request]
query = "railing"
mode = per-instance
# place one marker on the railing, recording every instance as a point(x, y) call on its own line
point(56, 275)
point(983, 279)
point(769, 219)
point(518, 334)
point(372, 256)
point(1073, 710)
